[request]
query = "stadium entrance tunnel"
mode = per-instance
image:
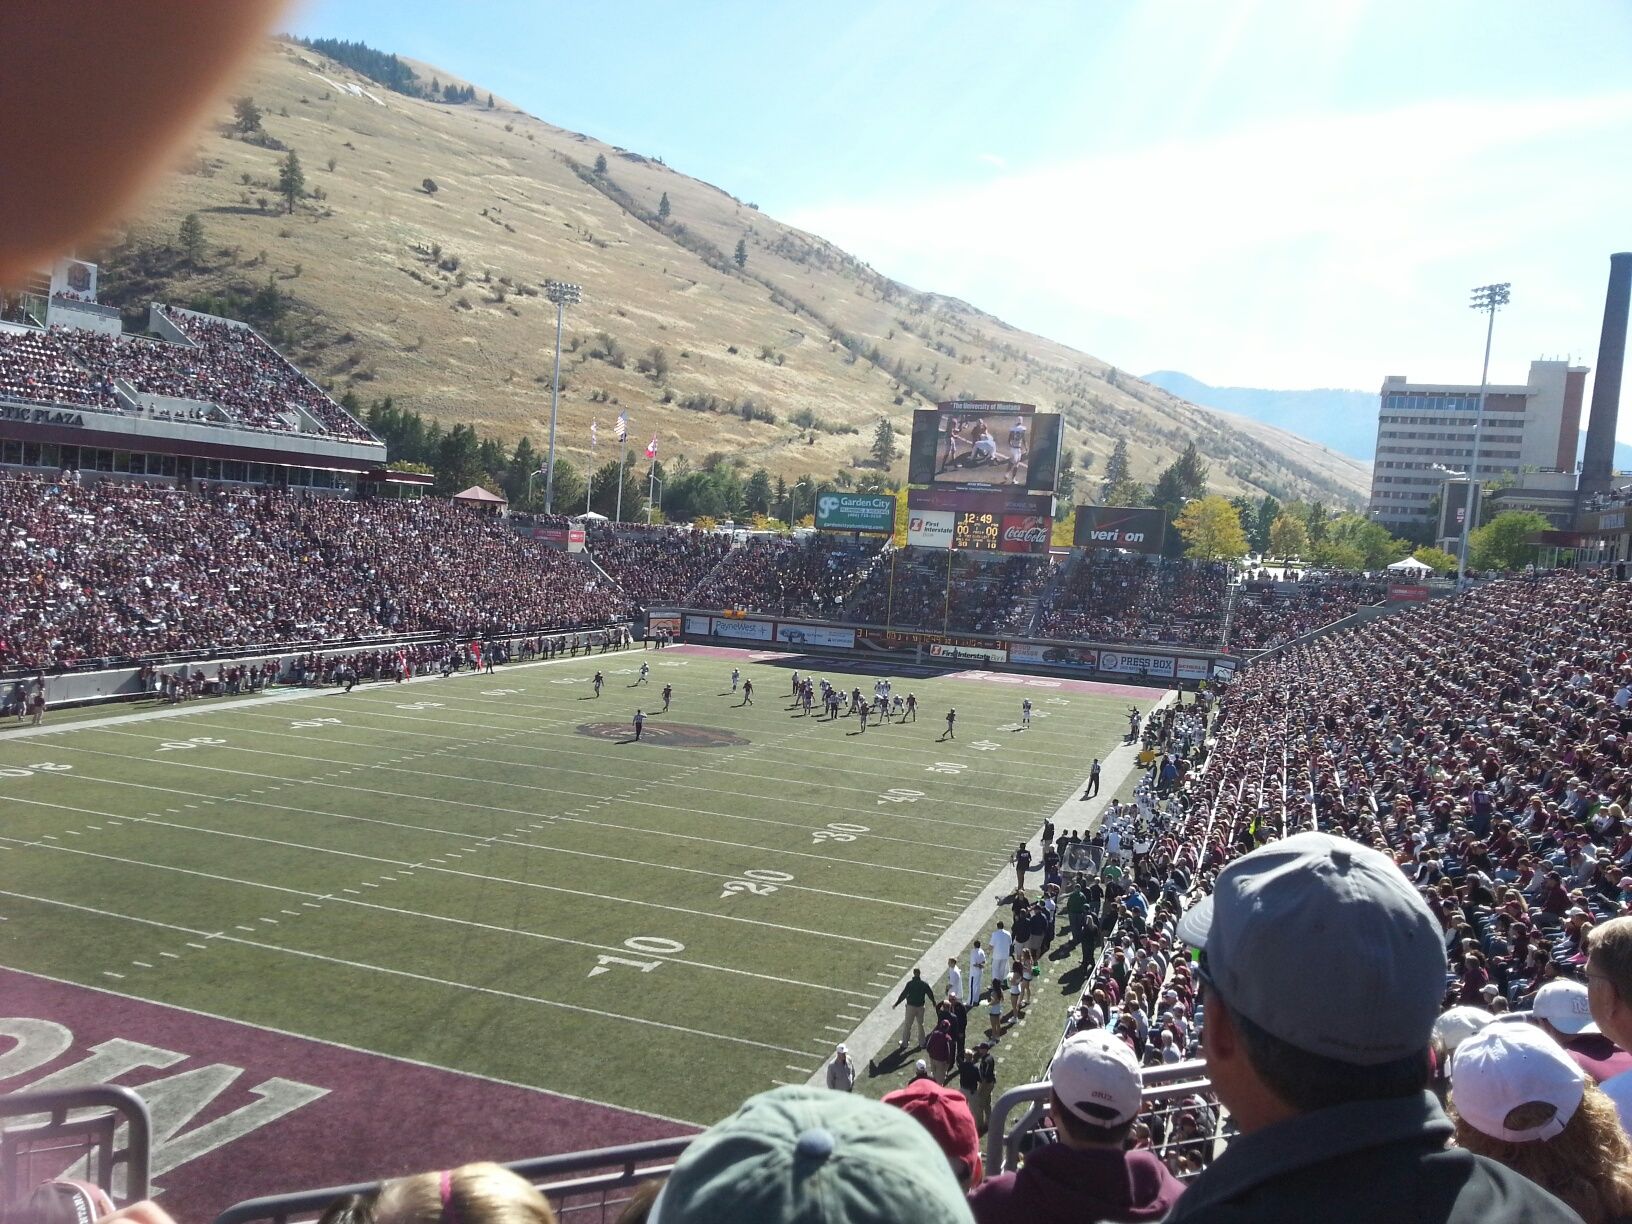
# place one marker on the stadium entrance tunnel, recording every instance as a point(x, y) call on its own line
point(669, 735)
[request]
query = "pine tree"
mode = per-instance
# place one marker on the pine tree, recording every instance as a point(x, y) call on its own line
point(489, 101)
point(884, 443)
point(1116, 468)
point(741, 254)
point(192, 239)
point(291, 179)
point(246, 114)
point(663, 207)
point(600, 164)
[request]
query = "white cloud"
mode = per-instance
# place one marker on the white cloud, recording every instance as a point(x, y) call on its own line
point(1315, 251)
point(992, 159)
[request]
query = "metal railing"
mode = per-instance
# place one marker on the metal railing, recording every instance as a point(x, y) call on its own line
point(581, 1186)
point(74, 1132)
point(1167, 1093)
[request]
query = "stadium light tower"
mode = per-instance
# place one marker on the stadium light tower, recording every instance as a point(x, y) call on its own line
point(563, 295)
point(1490, 299)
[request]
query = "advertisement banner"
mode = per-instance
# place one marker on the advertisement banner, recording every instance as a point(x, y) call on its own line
point(930, 528)
point(1025, 534)
point(1155, 666)
point(758, 631)
point(665, 624)
point(1224, 669)
point(1194, 669)
point(984, 444)
point(1135, 528)
point(1077, 658)
point(990, 654)
point(816, 635)
point(698, 624)
point(1403, 592)
point(984, 501)
point(856, 512)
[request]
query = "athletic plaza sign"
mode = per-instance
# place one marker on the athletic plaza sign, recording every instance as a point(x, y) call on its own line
point(40, 416)
point(856, 512)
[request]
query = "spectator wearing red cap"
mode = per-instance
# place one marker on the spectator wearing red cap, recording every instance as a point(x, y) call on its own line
point(945, 1115)
point(1087, 1175)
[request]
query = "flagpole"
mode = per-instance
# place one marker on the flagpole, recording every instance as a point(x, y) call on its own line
point(589, 480)
point(623, 455)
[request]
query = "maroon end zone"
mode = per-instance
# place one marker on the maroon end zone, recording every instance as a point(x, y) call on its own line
point(240, 1111)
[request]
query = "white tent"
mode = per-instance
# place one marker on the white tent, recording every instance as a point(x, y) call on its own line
point(591, 517)
point(1411, 566)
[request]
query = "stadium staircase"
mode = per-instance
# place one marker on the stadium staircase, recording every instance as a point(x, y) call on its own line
point(1045, 597)
point(1232, 601)
point(693, 598)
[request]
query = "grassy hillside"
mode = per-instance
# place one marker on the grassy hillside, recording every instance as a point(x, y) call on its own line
point(434, 296)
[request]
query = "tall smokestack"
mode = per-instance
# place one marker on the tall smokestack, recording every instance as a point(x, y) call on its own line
point(1598, 464)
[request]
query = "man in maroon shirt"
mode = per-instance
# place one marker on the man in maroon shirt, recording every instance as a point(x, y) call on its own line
point(1561, 1011)
point(1087, 1175)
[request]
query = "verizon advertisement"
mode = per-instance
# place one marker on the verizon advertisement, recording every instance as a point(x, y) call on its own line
point(758, 631)
point(1024, 534)
point(1137, 664)
point(930, 528)
point(1134, 528)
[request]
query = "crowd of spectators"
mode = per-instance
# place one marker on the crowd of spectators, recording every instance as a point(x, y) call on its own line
point(962, 592)
point(1149, 600)
point(38, 368)
point(226, 364)
point(113, 570)
point(1269, 613)
point(656, 566)
point(812, 576)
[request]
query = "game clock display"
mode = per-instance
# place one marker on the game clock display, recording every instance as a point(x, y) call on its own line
point(972, 529)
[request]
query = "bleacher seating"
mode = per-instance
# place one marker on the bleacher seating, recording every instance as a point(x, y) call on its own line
point(1109, 598)
point(1268, 613)
point(963, 592)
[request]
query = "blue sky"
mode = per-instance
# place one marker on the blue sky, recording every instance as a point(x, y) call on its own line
point(1271, 194)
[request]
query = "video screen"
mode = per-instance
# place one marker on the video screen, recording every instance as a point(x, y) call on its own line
point(985, 445)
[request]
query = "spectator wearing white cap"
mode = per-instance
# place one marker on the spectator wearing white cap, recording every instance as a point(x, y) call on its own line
point(1519, 1099)
point(1095, 1097)
point(841, 1072)
point(1323, 970)
point(1563, 1010)
point(1609, 996)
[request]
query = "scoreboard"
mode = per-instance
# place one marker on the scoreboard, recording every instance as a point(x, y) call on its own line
point(977, 530)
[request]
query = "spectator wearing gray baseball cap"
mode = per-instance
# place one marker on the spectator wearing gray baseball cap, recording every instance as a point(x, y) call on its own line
point(1322, 972)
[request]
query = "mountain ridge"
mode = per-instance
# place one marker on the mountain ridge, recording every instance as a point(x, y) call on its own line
point(416, 269)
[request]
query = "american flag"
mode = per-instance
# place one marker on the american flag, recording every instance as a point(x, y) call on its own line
point(594, 435)
point(623, 427)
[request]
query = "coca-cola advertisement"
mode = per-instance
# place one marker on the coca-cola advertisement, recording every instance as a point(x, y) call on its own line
point(1025, 533)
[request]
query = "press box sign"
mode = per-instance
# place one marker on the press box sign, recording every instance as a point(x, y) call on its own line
point(856, 512)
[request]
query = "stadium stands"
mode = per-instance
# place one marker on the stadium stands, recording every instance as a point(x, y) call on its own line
point(1109, 598)
point(1272, 613)
point(925, 588)
point(788, 577)
point(119, 571)
point(657, 565)
point(226, 364)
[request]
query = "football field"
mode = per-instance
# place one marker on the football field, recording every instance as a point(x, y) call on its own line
point(486, 873)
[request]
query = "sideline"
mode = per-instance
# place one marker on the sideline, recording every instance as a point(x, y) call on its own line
point(876, 1034)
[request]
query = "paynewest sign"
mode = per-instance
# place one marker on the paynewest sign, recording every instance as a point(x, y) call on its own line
point(856, 512)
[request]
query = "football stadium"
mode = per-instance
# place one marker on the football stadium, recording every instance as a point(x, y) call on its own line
point(987, 842)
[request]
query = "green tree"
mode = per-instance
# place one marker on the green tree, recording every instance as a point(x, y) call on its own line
point(663, 207)
point(458, 461)
point(1248, 513)
point(1211, 529)
point(246, 115)
point(1268, 511)
point(1436, 559)
point(1504, 542)
point(757, 493)
point(518, 474)
point(192, 239)
point(1333, 555)
point(569, 487)
point(489, 101)
point(1371, 539)
point(884, 443)
point(1116, 471)
point(291, 180)
point(1288, 537)
point(600, 163)
point(604, 492)
point(1066, 488)
point(741, 253)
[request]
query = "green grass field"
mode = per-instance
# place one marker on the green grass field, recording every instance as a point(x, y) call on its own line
point(452, 871)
